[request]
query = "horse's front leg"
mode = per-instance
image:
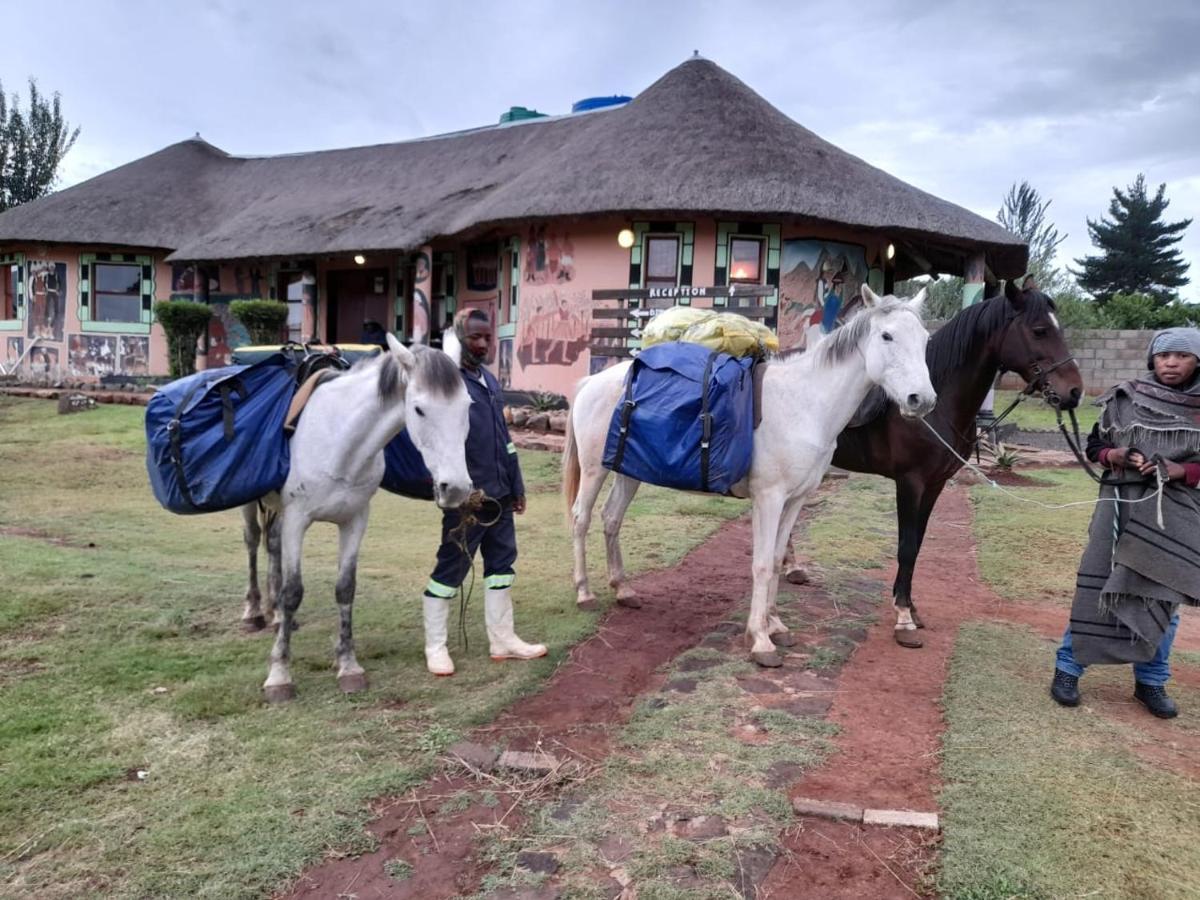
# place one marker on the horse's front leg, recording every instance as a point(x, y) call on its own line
point(581, 520)
point(766, 520)
point(279, 687)
point(613, 515)
point(350, 675)
point(780, 635)
point(252, 614)
point(914, 504)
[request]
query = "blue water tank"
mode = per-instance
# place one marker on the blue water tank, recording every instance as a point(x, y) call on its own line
point(589, 103)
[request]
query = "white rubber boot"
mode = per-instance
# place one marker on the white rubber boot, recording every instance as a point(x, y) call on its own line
point(498, 614)
point(437, 657)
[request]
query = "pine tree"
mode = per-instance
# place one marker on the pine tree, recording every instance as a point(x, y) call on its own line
point(1024, 214)
point(32, 147)
point(1137, 253)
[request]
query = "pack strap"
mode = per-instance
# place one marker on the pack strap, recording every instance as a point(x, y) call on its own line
point(627, 408)
point(706, 419)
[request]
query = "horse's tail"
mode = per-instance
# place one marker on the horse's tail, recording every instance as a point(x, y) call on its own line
point(570, 469)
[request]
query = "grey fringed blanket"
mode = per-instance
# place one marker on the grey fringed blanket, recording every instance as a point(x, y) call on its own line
point(1132, 576)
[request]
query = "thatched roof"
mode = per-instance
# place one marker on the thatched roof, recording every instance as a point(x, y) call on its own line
point(697, 141)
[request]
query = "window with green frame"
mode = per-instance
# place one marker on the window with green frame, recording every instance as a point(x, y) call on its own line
point(116, 292)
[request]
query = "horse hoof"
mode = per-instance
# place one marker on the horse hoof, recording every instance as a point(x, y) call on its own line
point(784, 639)
point(588, 605)
point(916, 619)
point(280, 693)
point(258, 623)
point(768, 660)
point(797, 576)
point(352, 684)
point(905, 638)
point(630, 602)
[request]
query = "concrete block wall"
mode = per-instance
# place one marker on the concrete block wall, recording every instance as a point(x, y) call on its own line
point(1106, 357)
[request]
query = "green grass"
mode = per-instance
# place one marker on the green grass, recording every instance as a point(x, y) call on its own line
point(1043, 802)
point(1027, 552)
point(120, 650)
point(1034, 414)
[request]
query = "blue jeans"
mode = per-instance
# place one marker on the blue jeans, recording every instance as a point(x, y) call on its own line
point(1156, 672)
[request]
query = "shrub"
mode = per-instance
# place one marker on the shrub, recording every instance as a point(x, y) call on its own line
point(1142, 311)
point(1076, 311)
point(264, 320)
point(184, 322)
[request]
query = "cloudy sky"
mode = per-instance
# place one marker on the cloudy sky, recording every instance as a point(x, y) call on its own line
point(959, 98)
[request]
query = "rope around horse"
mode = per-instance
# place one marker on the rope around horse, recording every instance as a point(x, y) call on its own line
point(1158, 472)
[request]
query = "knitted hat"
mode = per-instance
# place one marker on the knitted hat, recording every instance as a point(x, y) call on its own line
point(1178, 340)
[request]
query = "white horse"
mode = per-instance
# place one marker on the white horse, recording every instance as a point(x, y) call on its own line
point(807, 399)
point(337, 464)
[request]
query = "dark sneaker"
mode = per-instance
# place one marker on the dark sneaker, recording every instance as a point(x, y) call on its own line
point(1064, 689)
point(1154, 698)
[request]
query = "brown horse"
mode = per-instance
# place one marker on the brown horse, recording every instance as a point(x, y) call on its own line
point(1017, 332)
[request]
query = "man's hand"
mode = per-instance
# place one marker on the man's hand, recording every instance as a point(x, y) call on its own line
point(1127, 458)
point(519, 505)
point(1175, 471)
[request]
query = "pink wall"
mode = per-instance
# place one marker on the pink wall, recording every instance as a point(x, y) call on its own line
point(66, 348)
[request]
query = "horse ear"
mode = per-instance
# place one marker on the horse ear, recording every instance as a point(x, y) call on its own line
point(452, 346)
point(403, 355)
point(917, 303)
point(1013, 292)
point(869, 297)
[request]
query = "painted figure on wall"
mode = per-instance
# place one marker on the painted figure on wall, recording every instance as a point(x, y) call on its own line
point(134, 353)
point(15, 346)
point(821, 284)
point(504, 358)
point(47, 299)
point(553, 328)
point(248, 281)
point(224, 334)
point(549, 257)
point(184, 278)
point(92, 354)
point(43, 360)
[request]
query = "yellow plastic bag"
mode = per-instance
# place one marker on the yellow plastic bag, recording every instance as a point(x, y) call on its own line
point(670, 324)
point(733, 334)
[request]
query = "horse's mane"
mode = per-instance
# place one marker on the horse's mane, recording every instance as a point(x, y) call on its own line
point(844, 340)
point(435, 370)
point(963, 337)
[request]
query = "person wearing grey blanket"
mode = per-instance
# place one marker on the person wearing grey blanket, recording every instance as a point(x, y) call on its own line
point(1142, 560)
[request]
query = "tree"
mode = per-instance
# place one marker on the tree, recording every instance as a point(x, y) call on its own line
point(32, 146)
point(1137, 253)
point(944, 295)
point(1024, 214)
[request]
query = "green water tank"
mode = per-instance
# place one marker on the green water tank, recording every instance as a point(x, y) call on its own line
point(517, 113)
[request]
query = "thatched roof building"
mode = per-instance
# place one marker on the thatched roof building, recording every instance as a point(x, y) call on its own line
point(697, 140)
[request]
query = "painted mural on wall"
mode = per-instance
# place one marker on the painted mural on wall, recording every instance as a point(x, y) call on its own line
point(13, 348)
point(184, 278)
point(820, 284)
point(46, 290)
point(97, 355)
point(553, 327)
point(422, 288)
point(224, 334)
point(549, 257)
point(42, 360)
point(504, 360)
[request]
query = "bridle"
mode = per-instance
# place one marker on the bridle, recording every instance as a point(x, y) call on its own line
point(1039, 383)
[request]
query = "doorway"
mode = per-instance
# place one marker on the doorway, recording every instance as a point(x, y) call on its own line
point(356, 297)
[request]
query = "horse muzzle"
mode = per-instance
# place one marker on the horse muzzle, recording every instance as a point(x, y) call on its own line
point(450, 496)
point(917, 404)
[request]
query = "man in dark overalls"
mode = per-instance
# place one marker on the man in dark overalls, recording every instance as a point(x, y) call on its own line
point(492, 463)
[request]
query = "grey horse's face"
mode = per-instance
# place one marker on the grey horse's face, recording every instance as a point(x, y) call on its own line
point(895, 354)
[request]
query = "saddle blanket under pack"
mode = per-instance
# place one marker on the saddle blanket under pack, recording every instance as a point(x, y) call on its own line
point(685, 420)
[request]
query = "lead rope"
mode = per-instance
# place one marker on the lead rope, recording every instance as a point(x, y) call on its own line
point(468, 519)
point(1015, 496)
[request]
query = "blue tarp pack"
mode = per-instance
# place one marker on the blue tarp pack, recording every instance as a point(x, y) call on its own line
point(215, 439)
point(685, 419)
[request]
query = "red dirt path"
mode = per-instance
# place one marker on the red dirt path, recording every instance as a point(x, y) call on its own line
point(887, 704)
